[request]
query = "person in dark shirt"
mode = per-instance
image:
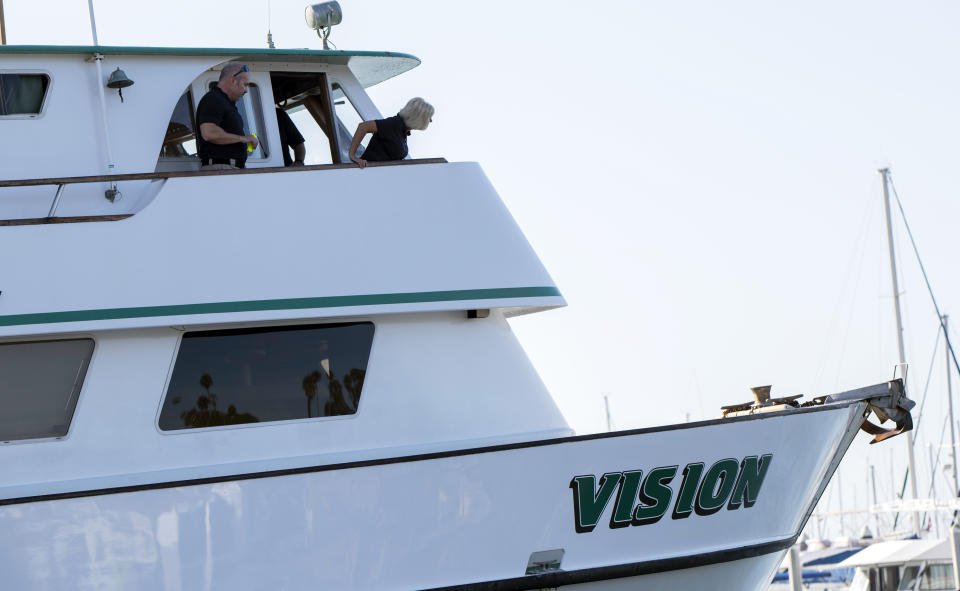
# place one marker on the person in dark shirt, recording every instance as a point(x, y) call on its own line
point(221, 143)
point(290, 137)
point(389, 141)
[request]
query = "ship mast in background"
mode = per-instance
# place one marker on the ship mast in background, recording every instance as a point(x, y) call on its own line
point(885, 173)
point(3, 27)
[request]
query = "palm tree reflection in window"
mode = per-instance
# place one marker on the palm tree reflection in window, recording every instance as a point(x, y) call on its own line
point(310, 382)
point(353, 382)
point(336, 403)
point(205, 413)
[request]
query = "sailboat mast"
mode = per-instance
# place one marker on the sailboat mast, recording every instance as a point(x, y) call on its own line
point(953, 437)
point(911, 462)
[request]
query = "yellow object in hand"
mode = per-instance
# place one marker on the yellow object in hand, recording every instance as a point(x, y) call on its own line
point(250, 144)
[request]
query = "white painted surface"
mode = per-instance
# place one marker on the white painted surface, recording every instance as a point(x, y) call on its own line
point(749, 574)
point(416, 524)
point(346, 232)
point(434, 382)
point(67, 140)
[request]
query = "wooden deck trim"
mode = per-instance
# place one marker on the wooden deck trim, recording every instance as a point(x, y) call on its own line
point(151, 176)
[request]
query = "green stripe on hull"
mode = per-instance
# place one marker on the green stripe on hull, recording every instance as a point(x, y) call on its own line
point(284, 304)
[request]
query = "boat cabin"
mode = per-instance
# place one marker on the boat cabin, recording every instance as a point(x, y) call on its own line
point(399, 276)
point(56, 105)
point(903, 565)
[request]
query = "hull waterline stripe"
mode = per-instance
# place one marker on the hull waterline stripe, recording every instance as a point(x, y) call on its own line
point(282, 304)
point(619, 571)
point(132, 488)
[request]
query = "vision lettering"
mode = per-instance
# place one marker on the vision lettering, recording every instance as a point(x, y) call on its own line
point(716, 487)
point(588, 502)
point(644, 498)
point(655, 496)
point(749, 480)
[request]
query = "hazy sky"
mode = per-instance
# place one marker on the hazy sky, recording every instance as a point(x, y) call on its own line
point(699, 178)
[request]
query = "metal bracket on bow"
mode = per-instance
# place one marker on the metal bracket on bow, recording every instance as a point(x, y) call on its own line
point(888, 402)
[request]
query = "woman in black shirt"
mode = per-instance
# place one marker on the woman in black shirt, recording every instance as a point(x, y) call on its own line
point(389, 140)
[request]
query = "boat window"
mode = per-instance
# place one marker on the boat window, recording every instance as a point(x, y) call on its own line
point(181, 138)
point(348, 115)
point(40, 384)
point(232, 377)
point(305, 97)
point(933, 577)
point(315, 140)
point(22, 94)
point(251, 111)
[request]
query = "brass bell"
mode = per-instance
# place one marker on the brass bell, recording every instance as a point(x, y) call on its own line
point(118, 79)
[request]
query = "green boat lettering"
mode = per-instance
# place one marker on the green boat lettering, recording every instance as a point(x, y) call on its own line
point(644, 498)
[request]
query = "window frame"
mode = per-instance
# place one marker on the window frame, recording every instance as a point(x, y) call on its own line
point(79, 392)
point(316, 323)
point(359, 100)
point(193, 118)
point(323, 103)
point(43, 103)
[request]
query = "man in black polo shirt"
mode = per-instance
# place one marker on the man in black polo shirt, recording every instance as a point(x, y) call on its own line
point(221, 143)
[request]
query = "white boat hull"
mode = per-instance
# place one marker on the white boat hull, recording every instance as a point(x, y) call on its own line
point(748, 574)
point(465, 517)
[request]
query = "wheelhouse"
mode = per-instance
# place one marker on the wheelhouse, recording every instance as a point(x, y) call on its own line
point(89, 145)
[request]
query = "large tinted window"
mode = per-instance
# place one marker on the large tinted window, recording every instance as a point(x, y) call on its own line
point(255, 375)
point(39, 384)
point(22, 94)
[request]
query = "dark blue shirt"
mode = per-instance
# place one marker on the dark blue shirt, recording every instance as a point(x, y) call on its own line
point(217, 108)
point(389, 142)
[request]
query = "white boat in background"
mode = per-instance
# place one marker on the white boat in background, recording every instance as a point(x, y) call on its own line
point(295, 378)
point(907, 565)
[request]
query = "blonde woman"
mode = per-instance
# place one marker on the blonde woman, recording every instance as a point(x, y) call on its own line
point(389, 141)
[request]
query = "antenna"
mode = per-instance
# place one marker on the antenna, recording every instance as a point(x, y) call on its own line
point(269, 34)
point(3, 28)
point(606, 405)
point(93, 23)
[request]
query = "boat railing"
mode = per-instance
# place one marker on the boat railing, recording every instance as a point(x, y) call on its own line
point(62, 182)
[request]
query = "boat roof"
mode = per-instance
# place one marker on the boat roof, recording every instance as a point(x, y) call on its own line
point(370, 67)
point(901, 552)
point(823, 559)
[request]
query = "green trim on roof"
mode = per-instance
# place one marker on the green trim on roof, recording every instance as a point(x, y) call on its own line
point(109, 49)
point(284, 304)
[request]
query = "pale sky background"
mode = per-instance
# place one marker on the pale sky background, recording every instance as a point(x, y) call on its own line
point(698, 177)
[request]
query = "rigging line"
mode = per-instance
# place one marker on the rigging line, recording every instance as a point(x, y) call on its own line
point(859, 248)
point(854, 287)
point(923, 271)
point(926, 387)
point(936, 461)
point(903, 489)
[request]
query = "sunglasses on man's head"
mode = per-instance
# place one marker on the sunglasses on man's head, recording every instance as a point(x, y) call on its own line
point(241, 71)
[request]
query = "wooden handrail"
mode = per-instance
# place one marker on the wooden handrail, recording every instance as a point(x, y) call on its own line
point(150, 176)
